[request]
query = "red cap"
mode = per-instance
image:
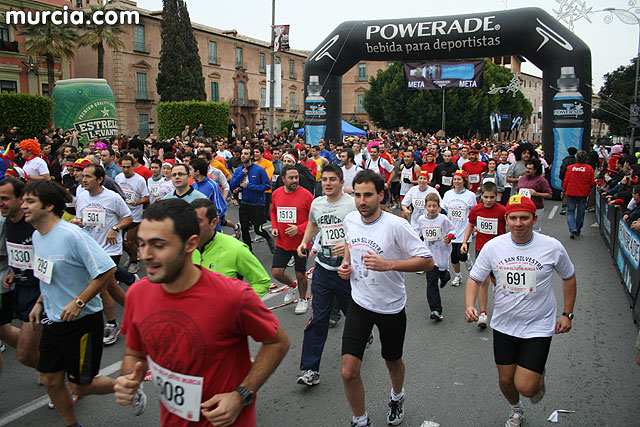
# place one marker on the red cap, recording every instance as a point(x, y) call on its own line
point(461, 173)
point(519, 202)
point(424, 173)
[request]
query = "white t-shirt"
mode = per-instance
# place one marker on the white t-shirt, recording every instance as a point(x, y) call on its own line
point(458, 206)
point(502, 169)
point(433, 231)
point(104, 210)
point(358, 159)
point(134, 189)
point(154, 187)
point(35, 166)
point(406, 172)
point(525, 304)
point(377, 164)
point(415, 198)
point(219, 178)
point(330, 220)
point(461, 161)
point(348, 175)
point(392, 238)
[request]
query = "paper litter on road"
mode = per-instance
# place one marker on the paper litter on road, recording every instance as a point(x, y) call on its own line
point(554, 416)
point(429, 424)
point(484, 338)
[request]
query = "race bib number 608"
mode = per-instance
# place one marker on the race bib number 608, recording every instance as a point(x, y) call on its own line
point(180, 394)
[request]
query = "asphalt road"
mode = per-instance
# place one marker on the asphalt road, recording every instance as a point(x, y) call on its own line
point(451, 379)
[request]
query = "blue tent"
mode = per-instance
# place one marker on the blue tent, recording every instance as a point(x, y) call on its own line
point(347, 130)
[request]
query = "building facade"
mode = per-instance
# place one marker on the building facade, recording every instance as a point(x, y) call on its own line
point(234, 69)
point(20, 72)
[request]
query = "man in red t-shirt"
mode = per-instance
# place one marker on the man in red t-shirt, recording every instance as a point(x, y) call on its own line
point(139, 167)
point(189, 326)
point(309, 163)
point(290, 206)
point(488, 218)
point(474, 169)
point(429, 164)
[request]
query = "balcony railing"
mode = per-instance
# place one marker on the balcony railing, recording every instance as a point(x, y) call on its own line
point(7, 46)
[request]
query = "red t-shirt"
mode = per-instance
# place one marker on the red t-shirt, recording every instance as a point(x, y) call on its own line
point(485, 221)
point(474, 170)
point(144, 172)
point(428, 168)
point(300, 200)
point(312, 166)
point(200, 332)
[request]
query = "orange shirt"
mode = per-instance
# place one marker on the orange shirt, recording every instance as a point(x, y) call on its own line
point(267, 166)
point(218, 165)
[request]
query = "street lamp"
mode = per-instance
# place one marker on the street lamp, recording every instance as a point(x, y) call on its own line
point(628, 17)
point(152, 125)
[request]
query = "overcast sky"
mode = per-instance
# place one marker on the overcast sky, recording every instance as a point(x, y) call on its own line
point(611, 45)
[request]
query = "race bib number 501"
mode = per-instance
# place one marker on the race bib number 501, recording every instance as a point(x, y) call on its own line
point(180, 394)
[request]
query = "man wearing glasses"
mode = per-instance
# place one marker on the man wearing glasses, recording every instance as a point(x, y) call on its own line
point(180, 179)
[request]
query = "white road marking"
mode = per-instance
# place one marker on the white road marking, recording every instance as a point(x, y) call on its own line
point(429, 424)
point(36, 404)
point(553, 212)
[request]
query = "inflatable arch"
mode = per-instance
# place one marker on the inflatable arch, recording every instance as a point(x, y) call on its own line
point(564, 59)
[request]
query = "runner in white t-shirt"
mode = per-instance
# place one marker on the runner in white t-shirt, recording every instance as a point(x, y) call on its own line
point(136, 195)
point(458, 202)
point(104, 214)
point(349, 170)
point(413, 204)
point(35, 167)
point(524, 314)
point(381, 246)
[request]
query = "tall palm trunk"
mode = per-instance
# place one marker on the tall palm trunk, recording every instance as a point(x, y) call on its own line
point(100, 60)
point(50, 72)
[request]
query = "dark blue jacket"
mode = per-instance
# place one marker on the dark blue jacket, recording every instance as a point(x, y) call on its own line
point(256, 186)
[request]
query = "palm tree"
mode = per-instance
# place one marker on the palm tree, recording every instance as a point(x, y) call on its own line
point(51, 41)
point(97, 36)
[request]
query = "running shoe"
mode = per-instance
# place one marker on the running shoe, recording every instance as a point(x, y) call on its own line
point(134, 267)
point(302, 306)
point(74, 397)
point(3, 347)
point(395, 415)
point(333, 321)
point(563, 211)
point(238, 231)
point(309, 378)
point(516, 417)
point(110, 333)
point(456, 281)
point(370, 340)
point(469, 264)
point(291, 262)
point(139, 403)
point(368, 424)
point(436, 316)
point(291, 293)
point(536, 398)
point(483, 320)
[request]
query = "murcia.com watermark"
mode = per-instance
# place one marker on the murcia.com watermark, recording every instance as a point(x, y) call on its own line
point(65, 16)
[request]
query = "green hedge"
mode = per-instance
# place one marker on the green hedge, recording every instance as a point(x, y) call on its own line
point(174, 116)
point(30, 113)
point(289, 125)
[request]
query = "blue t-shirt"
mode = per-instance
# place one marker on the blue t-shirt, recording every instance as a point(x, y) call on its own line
point(77, 259)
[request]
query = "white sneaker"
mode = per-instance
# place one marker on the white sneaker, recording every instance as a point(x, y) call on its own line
point(469, 264)
point(139, 403)
point(516, 418)
point(310, 378)
point(483, 320)
point(110, 333)
point(456, 281)
point(291, 293)
point(302, 306)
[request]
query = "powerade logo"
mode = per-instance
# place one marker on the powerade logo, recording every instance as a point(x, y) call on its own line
point(630, 243)
point(570, 109)
point(315, 110)
point(433, 28)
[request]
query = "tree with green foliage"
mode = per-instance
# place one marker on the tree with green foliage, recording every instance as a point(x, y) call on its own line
point(51, 41)
point(391, 105)
point(97, 35)
point(616, 96)
point(180, 70)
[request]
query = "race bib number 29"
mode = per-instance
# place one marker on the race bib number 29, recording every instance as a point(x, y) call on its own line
point(180, 394)
point(43, 269)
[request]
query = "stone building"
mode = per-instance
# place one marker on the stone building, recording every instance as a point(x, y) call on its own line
point(233, 66)
point(20, 72)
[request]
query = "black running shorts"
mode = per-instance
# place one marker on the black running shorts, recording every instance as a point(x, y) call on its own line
point(282, 256)
point(358, 326)
point(530, 353)
point(74, 347)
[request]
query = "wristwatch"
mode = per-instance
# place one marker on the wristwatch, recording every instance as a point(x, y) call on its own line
point(569, 315)
point(246, 394)
point(115, 228)
point(79, 302)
